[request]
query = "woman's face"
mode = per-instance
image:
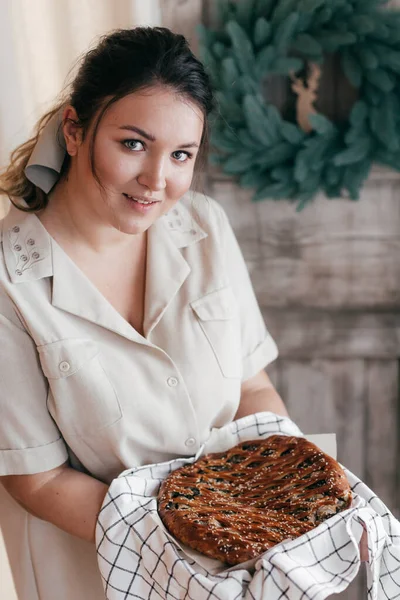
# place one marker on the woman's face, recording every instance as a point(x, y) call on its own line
point(144, 156)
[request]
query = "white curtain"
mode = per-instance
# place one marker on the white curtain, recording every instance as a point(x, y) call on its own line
point(40, 41)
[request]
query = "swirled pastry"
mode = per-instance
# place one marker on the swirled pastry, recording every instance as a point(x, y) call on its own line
point(234, 505)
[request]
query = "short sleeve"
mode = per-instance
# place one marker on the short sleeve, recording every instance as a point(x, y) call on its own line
point(258, 347)
point(30, 441)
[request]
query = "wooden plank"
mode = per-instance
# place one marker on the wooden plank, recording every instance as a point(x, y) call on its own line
point(328, 397)
point(379, 172)
point(182, 16)
point(382, 439)
point(335, 255)
point(309, 333)
point(300, 393)
point(359, 402)
point(244, 219)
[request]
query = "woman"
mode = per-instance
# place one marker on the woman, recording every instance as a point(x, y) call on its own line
point(129, 326)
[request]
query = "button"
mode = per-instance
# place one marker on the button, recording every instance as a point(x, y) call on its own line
point(190, 442)
point(31, 242)
point(172, 381)
point(36, 255)
point(15, 229)
point(24, 258)
point(18, 272)
point(64, 366)
point(17, 247)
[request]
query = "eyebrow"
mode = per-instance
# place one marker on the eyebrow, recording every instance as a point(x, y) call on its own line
point(152, 138)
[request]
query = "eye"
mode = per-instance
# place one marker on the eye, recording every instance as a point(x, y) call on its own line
point(182, 156)
point(134, 145)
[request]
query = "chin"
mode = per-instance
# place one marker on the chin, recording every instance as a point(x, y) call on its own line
point(134, 228)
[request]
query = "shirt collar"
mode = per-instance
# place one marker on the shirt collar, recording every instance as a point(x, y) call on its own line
point(28, 247)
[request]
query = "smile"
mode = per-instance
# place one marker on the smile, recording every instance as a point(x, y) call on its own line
point(139, 201)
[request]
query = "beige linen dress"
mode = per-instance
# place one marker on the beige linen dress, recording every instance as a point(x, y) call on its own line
point(78, 382)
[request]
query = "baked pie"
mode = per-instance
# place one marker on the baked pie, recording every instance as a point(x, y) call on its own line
point(235, 505)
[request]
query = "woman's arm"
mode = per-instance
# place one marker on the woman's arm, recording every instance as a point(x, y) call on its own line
point(67, 498)
point(257, 395)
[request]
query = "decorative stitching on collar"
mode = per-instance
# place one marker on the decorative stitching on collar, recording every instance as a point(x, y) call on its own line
point(183, 226)
point(24, 249)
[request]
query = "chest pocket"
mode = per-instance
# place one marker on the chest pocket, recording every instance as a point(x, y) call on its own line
point(84, 400)
point(218, 316)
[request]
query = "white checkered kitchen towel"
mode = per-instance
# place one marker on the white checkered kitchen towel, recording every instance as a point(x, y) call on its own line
point(139, 559)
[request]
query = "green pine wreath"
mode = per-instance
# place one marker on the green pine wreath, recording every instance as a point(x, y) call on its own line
point(258, 38)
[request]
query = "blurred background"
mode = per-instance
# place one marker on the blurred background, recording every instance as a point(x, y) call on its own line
point(327, 278)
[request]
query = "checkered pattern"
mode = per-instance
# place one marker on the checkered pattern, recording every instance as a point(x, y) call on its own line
point(139, 559)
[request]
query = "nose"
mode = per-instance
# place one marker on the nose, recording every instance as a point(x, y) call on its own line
point(152, 175)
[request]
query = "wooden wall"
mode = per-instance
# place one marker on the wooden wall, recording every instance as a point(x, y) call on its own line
point(328, 282)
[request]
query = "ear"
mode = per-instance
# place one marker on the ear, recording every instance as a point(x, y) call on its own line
point(71, 130)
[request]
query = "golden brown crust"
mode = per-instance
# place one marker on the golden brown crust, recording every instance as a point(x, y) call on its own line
point(234, 505)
